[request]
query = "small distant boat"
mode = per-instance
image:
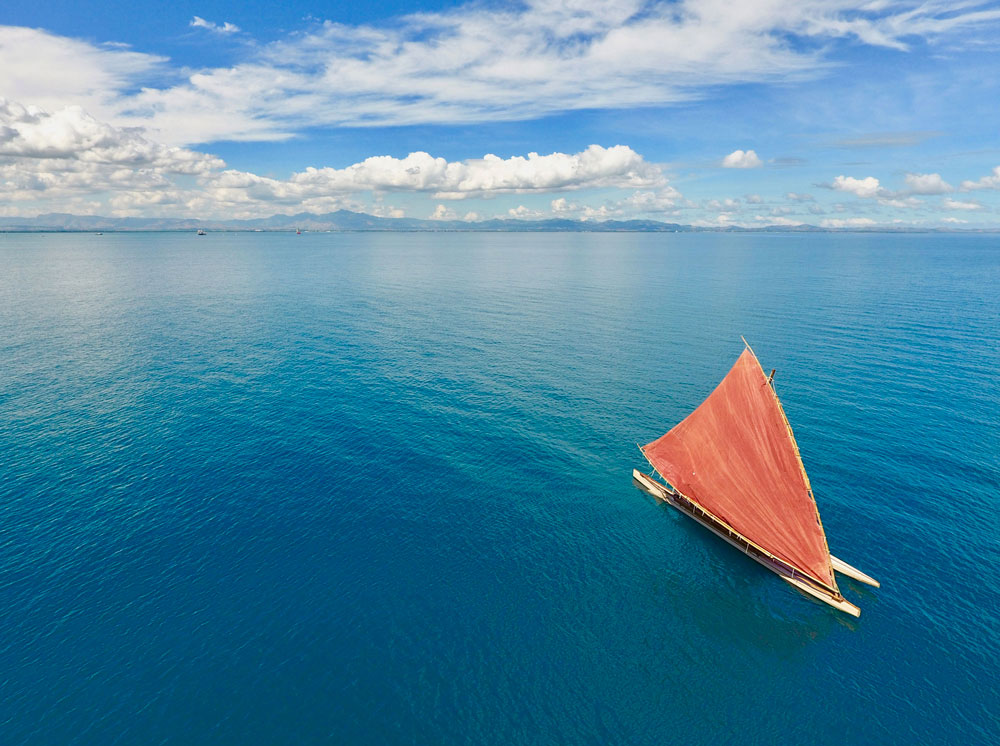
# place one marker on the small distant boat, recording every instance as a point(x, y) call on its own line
point(201, 232)
point(99, 233)
point(734, 467)
point(298, 232)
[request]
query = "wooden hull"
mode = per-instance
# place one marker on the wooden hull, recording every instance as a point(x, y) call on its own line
point(665, 494)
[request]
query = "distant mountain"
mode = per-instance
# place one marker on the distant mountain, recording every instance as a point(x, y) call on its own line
point(342, 220)
point(346, 220)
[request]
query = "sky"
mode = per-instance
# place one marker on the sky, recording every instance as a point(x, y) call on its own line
point(835, 113)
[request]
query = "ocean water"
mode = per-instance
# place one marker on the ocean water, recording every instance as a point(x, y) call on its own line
point(375, 489)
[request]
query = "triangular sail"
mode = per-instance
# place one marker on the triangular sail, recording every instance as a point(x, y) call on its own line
point(736, 457)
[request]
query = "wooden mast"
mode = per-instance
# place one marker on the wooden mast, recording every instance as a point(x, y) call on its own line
point(798, 457)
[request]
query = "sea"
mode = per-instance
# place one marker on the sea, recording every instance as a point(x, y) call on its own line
point(375, 488)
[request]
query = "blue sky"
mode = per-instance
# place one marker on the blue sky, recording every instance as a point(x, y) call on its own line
point(829, 112)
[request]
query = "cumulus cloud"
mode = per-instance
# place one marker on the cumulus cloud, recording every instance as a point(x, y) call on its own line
point(657, 203)
point(847, 222)
point(470, 63)
point(561, 206)
point(776, 220)
point(443, 213)
point(987, 182)
point(50, 71)
point(618, 166)
point(954, 204)
point(927, 184)
point(664, 200)
point(916, 184)
point(71, 133)
point(55, 159)
point(799, 197)
point(66, 160)
point(55, 183)
point(900, 201)
point(524, 213)
point(381, 210)
point(225, 28)
point(866, 188)
point(723, 205)
point(742, 159)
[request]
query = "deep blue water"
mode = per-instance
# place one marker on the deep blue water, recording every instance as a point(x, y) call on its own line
point(375, 489)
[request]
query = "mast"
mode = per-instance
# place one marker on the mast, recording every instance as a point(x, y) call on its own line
point(798, 455)
point(735, 459)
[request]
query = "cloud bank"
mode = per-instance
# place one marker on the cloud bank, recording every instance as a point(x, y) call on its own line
point(595, 167)
point(70, 133)
point(987, 182)
point(67, 160)
point(61, 157)
point(471, 63)
point(927, 184)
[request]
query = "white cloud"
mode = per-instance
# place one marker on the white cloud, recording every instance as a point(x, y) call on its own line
point(776, 220)
point(561, 207)
point(140, 202)
point(953, 220)
point(525, 213)
point(847, 222)
point(601, 212)
point(52, 71)
point(866, 188)
point(900, 202)
point(71, 133)
point(618, 166)
point(225, 28)
point(470, 63)
point(54, 184)
point(987, 182)
point(662, 201)
point(443, 213)
point(954, 204)
point(741, 159)
point(724, 205)
point(927, 184)
point(68, 161)
point(54, 159)
point(797, 197)
point(380, 210)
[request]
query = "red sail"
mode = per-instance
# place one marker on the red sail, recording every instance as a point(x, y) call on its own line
point(736, 457)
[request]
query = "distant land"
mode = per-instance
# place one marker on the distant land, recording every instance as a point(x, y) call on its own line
point(346, 220)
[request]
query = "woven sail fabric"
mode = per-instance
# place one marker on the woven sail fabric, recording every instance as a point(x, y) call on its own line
point(735, 456)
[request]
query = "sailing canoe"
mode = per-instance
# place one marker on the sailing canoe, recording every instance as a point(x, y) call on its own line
point(733, 465)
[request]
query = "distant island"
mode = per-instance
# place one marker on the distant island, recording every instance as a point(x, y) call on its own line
point(346, 220)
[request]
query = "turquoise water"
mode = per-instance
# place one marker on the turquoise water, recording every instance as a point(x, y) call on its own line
point(357, 488)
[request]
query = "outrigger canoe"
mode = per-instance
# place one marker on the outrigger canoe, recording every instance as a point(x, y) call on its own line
point(733, 466)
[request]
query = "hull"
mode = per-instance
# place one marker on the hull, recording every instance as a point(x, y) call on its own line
point(786, 572)
point(852, 572)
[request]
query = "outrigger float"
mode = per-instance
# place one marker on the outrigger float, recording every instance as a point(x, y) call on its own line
point(734, 467)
